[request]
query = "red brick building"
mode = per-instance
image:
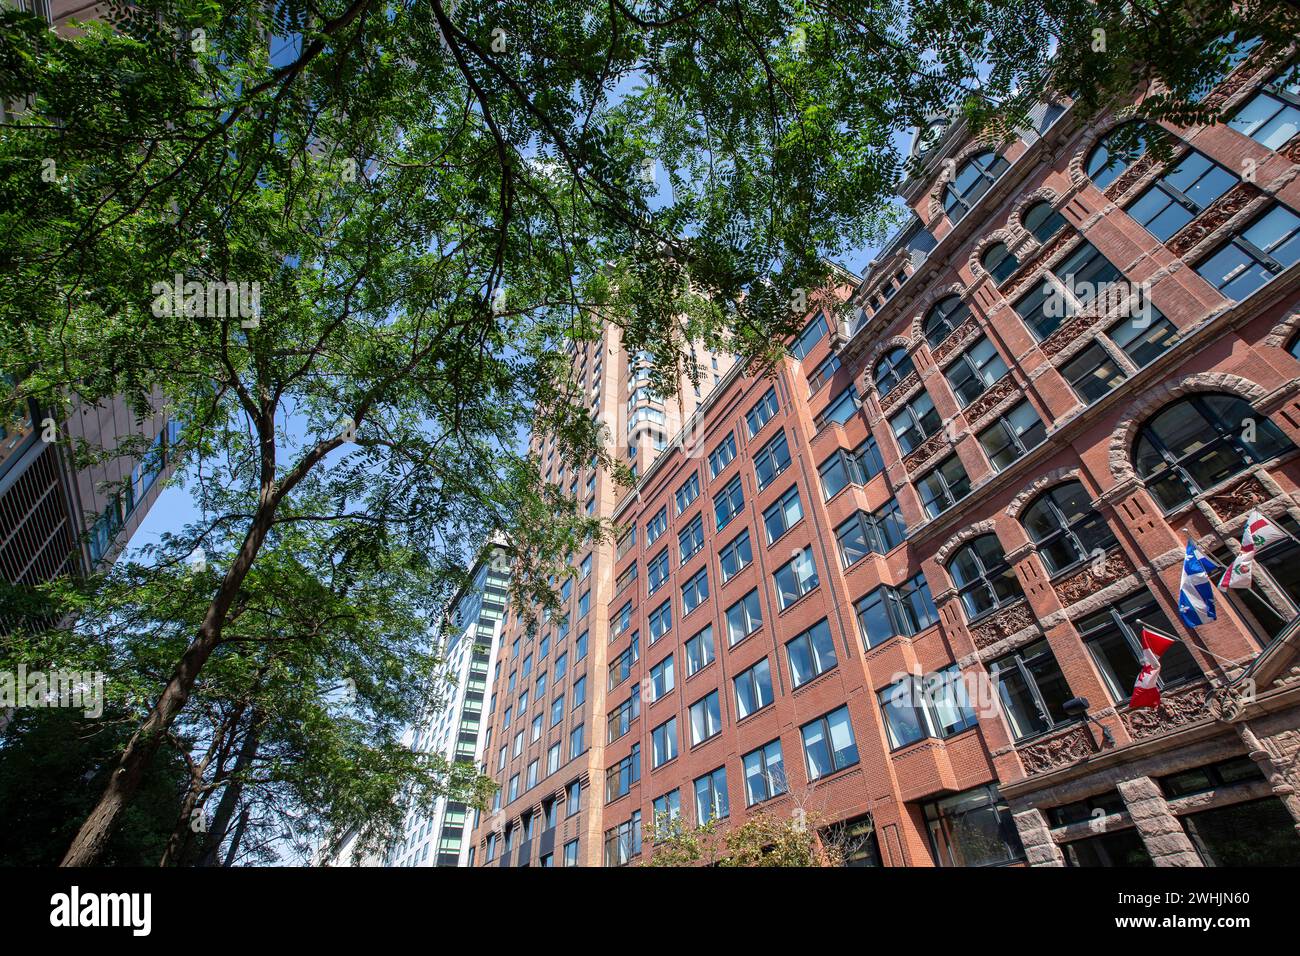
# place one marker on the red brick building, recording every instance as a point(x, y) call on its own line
point(877, 585)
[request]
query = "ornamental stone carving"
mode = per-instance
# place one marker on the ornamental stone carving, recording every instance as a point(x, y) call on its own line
point(1000, 626)
point(1097, 576)
point(1131, 175)
point(1061, 750)
point(1121, 439)
point(1239, 497)
point(1175, 710)
point(1219, 212)
point(965, 333)
point(1029, 269)
point(927, 451)
point(900, 391)
point(1070, 330)
point(993, 396)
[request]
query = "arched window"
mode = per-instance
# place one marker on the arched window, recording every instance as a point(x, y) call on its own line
point(1118, 149)
point(971, 182)
point(983, 577)
point(1065, 527)
point(892, 369)
point(1042, 221)
point(943, 318)
point(1294, 347)
point(1199, 441)
point(999, 262)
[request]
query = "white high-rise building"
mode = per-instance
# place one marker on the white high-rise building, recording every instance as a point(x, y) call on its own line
point(455, 725)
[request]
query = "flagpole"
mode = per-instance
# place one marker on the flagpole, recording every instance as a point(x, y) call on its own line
point(1257, 566)
point(1200, 644)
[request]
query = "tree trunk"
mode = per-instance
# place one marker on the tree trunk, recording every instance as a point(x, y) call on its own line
point(139, 753)
point(234, 789)
point(235, 840)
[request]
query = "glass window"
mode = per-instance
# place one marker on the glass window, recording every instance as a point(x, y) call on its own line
point(656, 526)
point(1092, 373)
point(999, 263)
point(1257, 255)
point(887, 611)
point(657, 571)
point(620, 777)
point(1065, 527)
point(811, 653)
point(893, 367)
point(973, 828)
point(762, 413)
point(620, 668)
point(1199, 441)
point(688, 492)
point(936, 705)
point(1042, 221)
point(691, 538)
point(728, 502)
point(695, 591)
point(829, 744)
point(736, 555)
point(1272, 116)
point(1114, 638)
point(666, 810)
point(620, 718)
point(1180, 195)
point(623, 841)
point(822, 374)
point(1144, 338)
point(1116, 151)
point(795, 578)
point(983, 577)
point(706, 718)
point(943, 487)
point(971, 182)
point(1070, 287)
point(661, 678)
point(839, 410)
point(699, 651)
point(663, 740)
point(975, 370)
point(946, 315)
point(711, 797)
point(1013, 435)
point(660, 621)
point(915, 422)
point(753, 689)
point(743, 618)
point(723, 455)
point(1032, 690)
point(764, 770)
point(783, 515)
point(812, 333)
point(772, 459)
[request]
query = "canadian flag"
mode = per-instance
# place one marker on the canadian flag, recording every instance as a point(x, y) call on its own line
point(1146, 689)
point(1259, 532)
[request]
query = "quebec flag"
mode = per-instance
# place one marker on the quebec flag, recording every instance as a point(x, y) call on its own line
point(1196, 594)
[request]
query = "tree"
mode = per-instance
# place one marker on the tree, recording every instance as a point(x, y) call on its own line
point(760, 839)
point(415, 207)
point(53, 763)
